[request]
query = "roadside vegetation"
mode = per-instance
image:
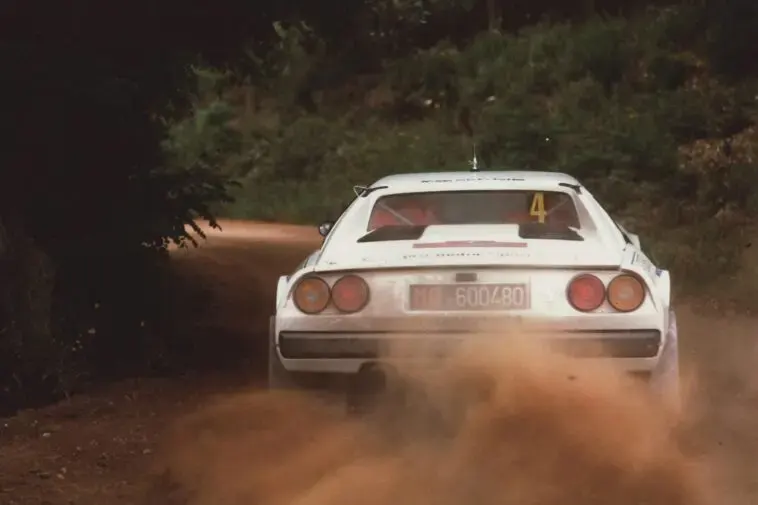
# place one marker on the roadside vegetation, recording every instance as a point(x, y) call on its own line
point(634, 106)
point(652, 105)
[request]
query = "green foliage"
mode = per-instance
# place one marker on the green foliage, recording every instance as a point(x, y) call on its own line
point(322, 168)
point(621, 104)
point(655, 113)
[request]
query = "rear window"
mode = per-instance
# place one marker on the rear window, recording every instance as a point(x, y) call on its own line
point(474, 207)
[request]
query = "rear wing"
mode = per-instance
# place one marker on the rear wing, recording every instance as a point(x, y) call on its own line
point(529, 231)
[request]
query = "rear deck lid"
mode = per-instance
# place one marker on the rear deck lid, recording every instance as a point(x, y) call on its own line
point(531, 244)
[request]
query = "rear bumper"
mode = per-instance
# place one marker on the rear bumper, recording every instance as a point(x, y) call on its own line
point(635, 350)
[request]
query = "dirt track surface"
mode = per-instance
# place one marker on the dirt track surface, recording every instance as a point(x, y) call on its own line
point(235, 231)
point(547, 440)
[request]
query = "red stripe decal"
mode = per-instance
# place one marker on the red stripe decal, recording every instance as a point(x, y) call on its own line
point(467, 243)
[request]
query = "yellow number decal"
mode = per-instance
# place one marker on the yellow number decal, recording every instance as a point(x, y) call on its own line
point(538, 207)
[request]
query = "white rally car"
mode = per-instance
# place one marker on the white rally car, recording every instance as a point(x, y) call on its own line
point(428, 257)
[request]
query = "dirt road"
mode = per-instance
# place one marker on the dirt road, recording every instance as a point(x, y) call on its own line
point(550, 441)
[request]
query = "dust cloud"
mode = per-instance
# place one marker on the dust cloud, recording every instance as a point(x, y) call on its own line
point(493, 425)
point(510, 425)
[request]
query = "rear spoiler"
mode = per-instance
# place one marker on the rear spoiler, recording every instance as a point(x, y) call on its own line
point(531, 231)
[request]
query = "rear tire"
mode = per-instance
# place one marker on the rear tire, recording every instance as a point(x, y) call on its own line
point(365, 388)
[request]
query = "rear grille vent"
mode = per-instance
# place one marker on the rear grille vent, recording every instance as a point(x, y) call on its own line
point(642, 344)
point(465, 277)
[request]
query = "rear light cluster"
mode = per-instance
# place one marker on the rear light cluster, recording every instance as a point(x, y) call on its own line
point(625, 293)
point(312, 295)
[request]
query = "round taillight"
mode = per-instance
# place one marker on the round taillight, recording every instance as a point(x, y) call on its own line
point(350, 294)
point(626, 293)
point(585, 292)
point(311, 295)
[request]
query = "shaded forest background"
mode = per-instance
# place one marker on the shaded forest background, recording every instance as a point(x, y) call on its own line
point(126, 124)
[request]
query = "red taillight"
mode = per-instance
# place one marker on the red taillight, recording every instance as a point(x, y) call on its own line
point(350, 294)
point(585, 292)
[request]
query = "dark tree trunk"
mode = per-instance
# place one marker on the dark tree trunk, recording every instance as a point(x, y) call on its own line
point(494, 16)
point(29, 357)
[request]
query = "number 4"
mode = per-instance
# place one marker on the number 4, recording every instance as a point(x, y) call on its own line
point(538, 207)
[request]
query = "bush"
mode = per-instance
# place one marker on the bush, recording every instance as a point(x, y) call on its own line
point(631, 107)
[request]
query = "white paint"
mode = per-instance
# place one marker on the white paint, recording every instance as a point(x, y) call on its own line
point(546, 266)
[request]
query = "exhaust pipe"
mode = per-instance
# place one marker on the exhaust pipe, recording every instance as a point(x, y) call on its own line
point(372, 381)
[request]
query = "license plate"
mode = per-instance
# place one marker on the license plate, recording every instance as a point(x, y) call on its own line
point(469, 297)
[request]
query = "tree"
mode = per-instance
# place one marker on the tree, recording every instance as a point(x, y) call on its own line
point(88, 199)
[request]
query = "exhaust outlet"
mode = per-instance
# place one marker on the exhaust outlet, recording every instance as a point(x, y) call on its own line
point(372, 381)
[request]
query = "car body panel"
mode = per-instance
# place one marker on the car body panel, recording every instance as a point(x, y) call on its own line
point(492, 253)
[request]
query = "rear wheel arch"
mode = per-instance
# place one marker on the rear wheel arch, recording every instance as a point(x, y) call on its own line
point(663, 286)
